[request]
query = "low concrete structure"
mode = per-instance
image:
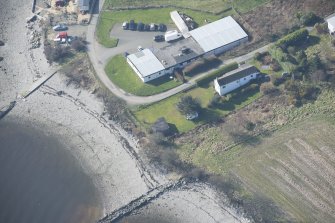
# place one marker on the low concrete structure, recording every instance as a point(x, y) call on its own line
point(235, 79)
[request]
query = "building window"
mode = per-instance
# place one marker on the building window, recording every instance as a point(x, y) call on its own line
point(252, 75)
point(223, 86)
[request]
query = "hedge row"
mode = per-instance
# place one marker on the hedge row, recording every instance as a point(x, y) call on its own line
point(293, 38)
point(219, 72)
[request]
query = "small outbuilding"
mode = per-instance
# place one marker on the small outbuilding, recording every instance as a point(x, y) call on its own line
point(235, 79)
point(180, 23)
point(84, 6)
point(331, 24)
point(161, 126)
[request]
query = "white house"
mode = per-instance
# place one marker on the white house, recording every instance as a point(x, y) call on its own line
point(146, 65)
point(331, 24)
point(235, 79)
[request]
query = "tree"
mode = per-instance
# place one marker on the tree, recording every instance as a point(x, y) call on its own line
point(188, 105)
point(56, 54)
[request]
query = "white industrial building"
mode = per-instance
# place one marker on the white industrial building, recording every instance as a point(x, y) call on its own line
point(219, 36)
point(146, 65)
point(235, 79)
point(211, 39)
point(331, 24)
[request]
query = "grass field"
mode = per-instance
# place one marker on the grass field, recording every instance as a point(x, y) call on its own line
point(108, 19)
point(214, 6)
point(294, 166)
point(124, 77)
point(167, 108)
point(210, 5)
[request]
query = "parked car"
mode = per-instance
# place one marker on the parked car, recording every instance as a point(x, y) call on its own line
point(140, 26)
point(59, 27)
point(62, 35)
point(161, 27)
point(153, 27)
point(192, 116)
point(159, 38)
point(146, 27)
point(71, 38)
point(125, 25)
point(139, 48)
point(132, 25)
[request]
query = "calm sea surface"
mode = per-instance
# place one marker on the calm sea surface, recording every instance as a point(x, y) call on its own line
point(40, 181)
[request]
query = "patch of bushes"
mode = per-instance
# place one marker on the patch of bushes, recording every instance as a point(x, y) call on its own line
point(219, 72)
point(57, 53)
point(300, 93)
point(308, 19)
point(276, 81)
point(321, 28)
point(78, 45)
point(269, 89)
point(293, 38)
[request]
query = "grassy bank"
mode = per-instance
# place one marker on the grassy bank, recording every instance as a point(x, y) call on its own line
point(121, 74)
point(167, 108)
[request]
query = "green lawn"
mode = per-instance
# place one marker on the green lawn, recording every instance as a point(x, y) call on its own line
point(109, 18)
point(245, 6)
point(124, 77)
point(167, 108)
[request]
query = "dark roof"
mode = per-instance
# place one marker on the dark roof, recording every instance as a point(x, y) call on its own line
point(84, 5)
point(182, 57)
point(160, 126)
point(237, 74)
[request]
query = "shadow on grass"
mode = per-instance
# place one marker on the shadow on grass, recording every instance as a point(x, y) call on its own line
point(207, 115)
point(202, 66)
point(173, 129)
point(161, 80)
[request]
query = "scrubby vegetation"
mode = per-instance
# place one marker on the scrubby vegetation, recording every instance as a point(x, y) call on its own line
point(217, 73)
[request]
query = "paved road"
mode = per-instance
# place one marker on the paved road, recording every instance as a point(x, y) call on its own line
point(99, 57)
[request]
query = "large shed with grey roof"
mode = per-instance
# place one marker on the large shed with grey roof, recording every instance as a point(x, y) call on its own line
point(146, 65)
point(219, 36)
